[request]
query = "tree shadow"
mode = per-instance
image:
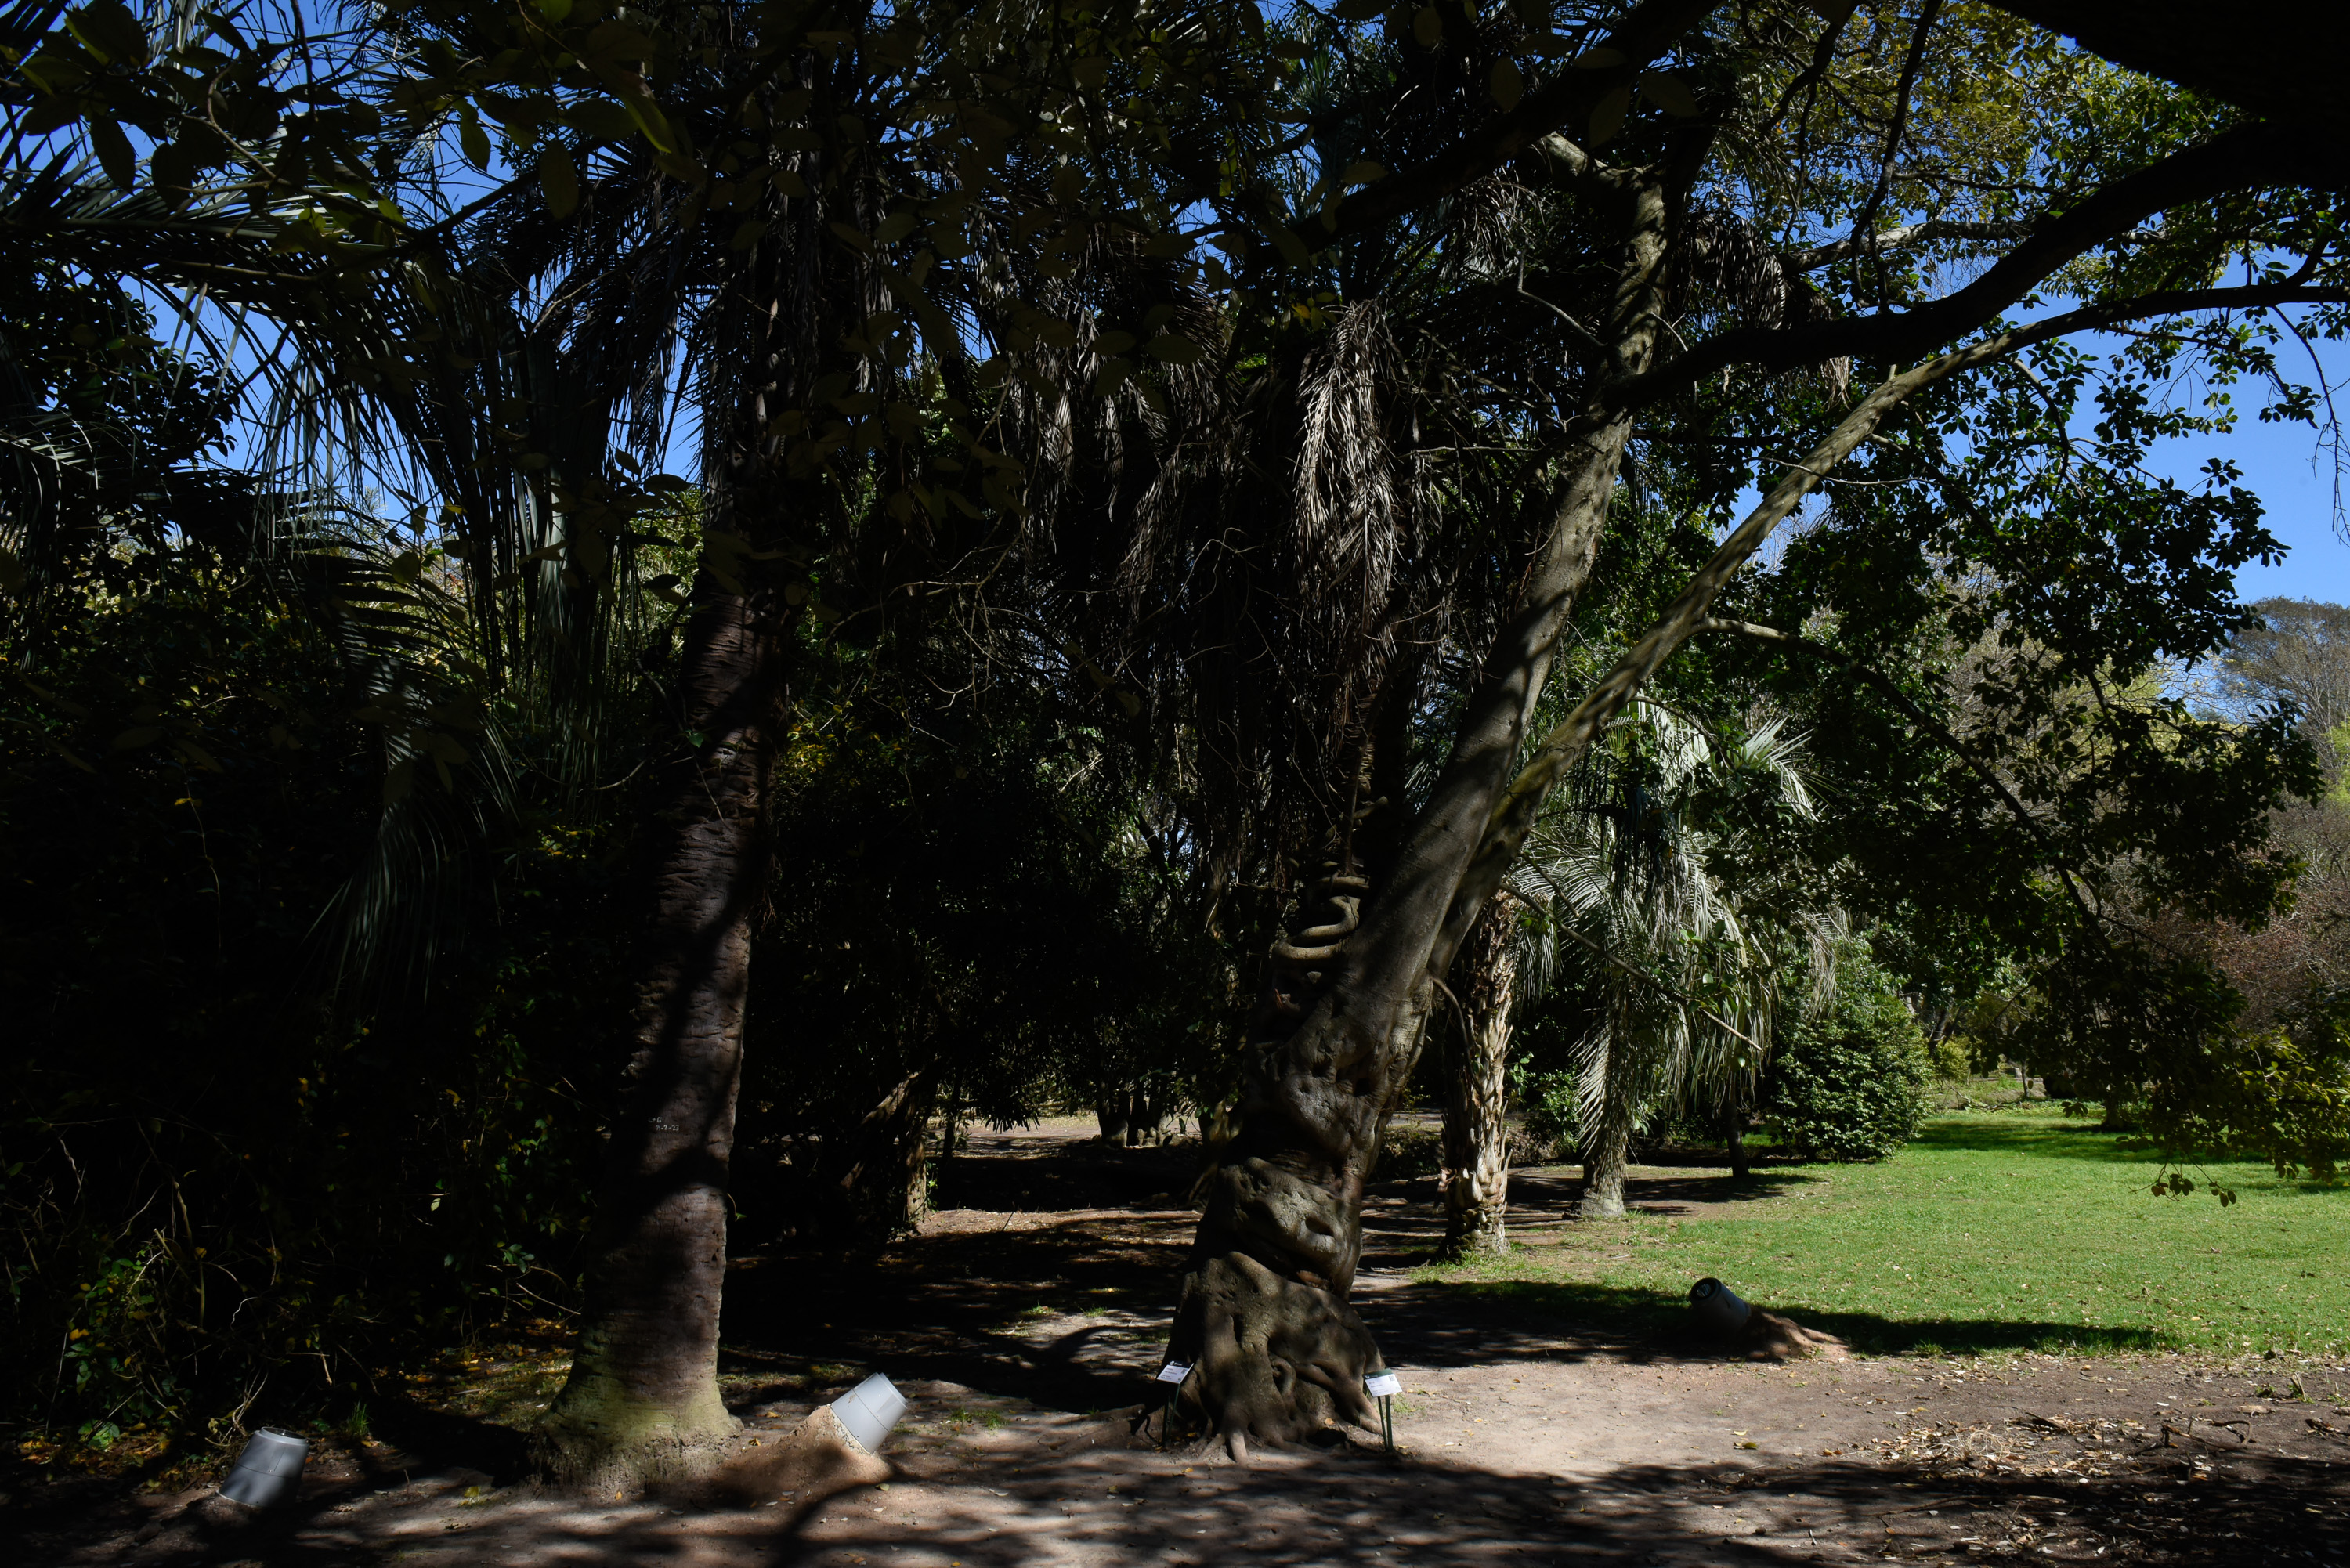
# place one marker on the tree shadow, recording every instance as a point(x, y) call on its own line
point(2035, 1138)
point(1068, 1174)
point(1474, 1319)
point(1358, 1506)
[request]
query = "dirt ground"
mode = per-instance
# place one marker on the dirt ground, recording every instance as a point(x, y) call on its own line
point(1024, 1323)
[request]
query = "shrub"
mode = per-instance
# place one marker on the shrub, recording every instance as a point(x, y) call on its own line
point(1846, 1085)
point(1408, 1152)
point(1547, 1103)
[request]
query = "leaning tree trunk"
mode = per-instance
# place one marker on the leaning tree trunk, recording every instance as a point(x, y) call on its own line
point(642, 1402)
point(1265, 1317)
point(1278, 1350)
point(1476, 1131)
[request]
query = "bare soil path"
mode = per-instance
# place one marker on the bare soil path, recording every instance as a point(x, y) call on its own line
point(1025, 1320)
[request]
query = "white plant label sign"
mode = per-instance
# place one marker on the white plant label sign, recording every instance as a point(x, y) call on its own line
point(1174, 1372)
point(1379, 1384)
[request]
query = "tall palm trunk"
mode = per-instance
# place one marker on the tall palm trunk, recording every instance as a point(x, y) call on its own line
point(642, 1402)
point(1476, 1131)
point(1614, 1103)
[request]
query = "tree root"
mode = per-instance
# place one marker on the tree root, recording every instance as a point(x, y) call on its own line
point(1276, 1361)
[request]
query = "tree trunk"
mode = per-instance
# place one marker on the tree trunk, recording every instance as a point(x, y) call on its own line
point(1608, 1147)
point(642, 1403)
point(1735, 1135)
point(1279, 1353)
point(1476, 1133)
point(873, 1182)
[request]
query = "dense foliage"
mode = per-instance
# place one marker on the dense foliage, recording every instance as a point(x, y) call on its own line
point(1844, 1084)
point(1130, 428)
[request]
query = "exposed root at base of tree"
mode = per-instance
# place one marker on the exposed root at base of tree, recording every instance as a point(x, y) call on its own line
point(625, 1457)
point(1274, 1361)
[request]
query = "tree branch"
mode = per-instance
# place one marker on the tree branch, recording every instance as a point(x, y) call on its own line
point(2214, 167)
point(1650, 29)
point(1909, 234)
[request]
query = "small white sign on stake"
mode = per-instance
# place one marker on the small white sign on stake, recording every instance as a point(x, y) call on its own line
point(1379, 1384)
point(1174, 1372)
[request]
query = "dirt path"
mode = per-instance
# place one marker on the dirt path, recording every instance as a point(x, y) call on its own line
point(1042, 1296)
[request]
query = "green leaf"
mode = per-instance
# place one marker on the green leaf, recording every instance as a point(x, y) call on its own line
point(555, 11)
point(141, 735)
point(1090, 73)
point(1670, 94)
point(1598, 59)
point(1607, 118)
point(560, 179)
point(1174, 350)
point(1363, 172)
point(114, 154)
point(1427, 27)
point(1507, 84)
point(1358, 10)
point(107, 29)
point(475, 141)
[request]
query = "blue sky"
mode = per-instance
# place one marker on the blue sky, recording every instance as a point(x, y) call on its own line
point(2282, 465)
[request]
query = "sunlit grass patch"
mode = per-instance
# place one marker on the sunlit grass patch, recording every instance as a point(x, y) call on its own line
point(2006, 1230)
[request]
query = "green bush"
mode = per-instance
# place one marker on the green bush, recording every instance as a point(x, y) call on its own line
point(1406, 1152)
point(1547, 1102)
point(1847, 1086)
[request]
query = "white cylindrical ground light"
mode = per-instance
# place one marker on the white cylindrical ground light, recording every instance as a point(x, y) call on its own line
point(269, 1471)
point(869, 1410)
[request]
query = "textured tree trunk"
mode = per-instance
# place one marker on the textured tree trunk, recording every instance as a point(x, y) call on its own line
point(1476, 1131)
point(1735, 1135)
point(642, 1402)
point(1617, 1084)
point(1280, 1354)
point(872, 1182)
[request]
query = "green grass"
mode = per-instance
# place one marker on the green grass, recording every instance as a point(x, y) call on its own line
point(2005, 1230)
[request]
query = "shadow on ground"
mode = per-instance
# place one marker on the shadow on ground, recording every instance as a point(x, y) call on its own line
point(1621, 1318)
point(1103, 1507)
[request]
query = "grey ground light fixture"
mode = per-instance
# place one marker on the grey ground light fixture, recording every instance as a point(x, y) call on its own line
point(269, 1471)
point(1716, 1308)
point(869, 1410)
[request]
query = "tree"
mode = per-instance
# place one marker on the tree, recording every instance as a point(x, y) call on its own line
point(1476, 1079)
point(1349, 995)
point(2296, 652)
point(1673, 926)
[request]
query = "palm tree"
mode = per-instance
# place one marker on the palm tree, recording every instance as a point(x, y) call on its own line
point(1683, 936)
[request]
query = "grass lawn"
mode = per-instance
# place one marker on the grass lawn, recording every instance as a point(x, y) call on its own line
point(1995, 1230)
